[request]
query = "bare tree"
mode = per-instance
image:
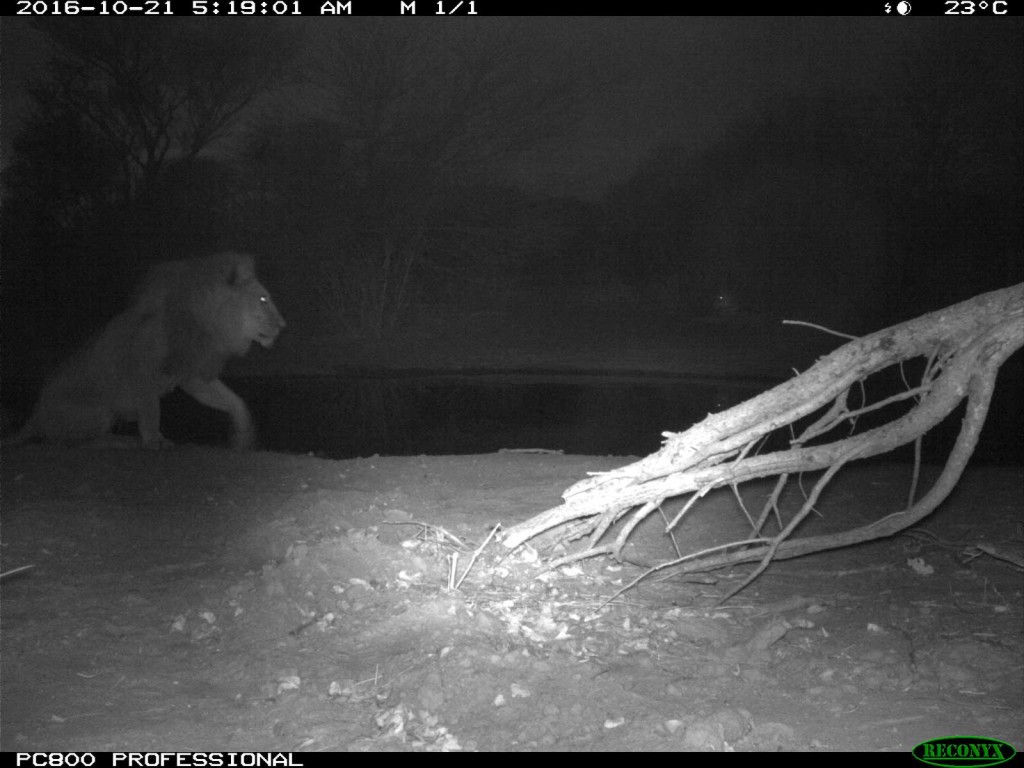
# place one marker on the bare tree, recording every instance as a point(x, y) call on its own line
point(158, 89)
point(964, 346)
point(419, 108)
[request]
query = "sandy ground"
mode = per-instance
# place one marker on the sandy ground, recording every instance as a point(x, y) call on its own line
point(199, 599)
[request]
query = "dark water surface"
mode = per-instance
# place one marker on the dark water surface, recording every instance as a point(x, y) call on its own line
point(465, 414)
point(445, 413)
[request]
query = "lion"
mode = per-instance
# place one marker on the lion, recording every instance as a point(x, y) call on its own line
point(187, 319)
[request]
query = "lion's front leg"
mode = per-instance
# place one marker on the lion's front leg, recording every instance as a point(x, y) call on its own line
point(148, 411)
point(216, 394)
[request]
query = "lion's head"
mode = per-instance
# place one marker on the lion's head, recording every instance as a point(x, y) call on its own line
point(216, 308)
point(242, 310)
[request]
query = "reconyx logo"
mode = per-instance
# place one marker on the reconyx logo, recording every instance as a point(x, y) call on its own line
point(962, 751)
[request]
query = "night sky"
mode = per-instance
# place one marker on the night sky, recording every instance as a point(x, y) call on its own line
point(661, 79)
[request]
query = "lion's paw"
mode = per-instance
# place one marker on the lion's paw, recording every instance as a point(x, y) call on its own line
point(158, 444)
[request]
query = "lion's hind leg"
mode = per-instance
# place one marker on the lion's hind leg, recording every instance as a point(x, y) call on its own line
point(66, 419)
point(216, 394)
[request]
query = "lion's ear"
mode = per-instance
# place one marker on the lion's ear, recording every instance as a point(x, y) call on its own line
point(243, 269)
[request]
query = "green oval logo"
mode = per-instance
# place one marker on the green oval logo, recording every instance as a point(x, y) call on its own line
point(959, 751)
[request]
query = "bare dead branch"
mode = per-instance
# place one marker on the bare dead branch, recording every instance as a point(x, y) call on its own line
point(964, 346)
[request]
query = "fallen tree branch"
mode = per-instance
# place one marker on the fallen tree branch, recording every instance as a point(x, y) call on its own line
point(964, 346)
